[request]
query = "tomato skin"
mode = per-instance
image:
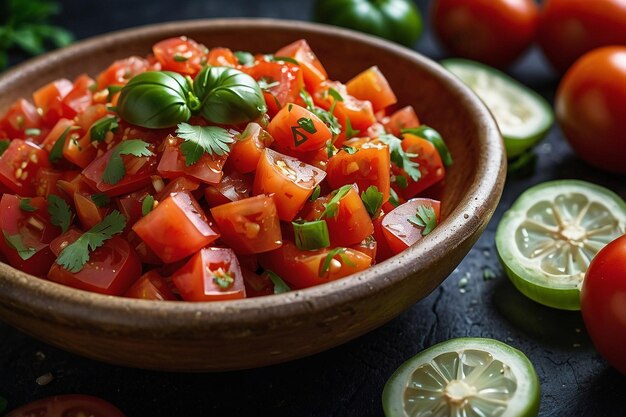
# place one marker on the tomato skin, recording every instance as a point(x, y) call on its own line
point(291, 181)
point(603, 302)
point(589, 107)
point(192, 55)
point(404, 118)
point(570, 28)
point(176, 228)
point(111, 269)
point(196, 280)
point(302, 269)
point(359, 112)
point(66, 406)
point(120, 71)
point(78, 98)
point(222, 57)
point(246, 152)
point(250, 225)
point(398, 231)
point(21, 115)
point(287, 131)
point(288, 82)
point(372, 85)
point(19, 165)
point(48, 98)
point(151, 286)
point(208, 169)
point(313, 71)
point(495, 32)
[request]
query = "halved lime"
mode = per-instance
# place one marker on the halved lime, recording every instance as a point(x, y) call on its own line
point(464, 377)
point(547, 239)
point(523, 116)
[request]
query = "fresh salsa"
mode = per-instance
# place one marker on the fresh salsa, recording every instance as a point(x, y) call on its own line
point(204, 174)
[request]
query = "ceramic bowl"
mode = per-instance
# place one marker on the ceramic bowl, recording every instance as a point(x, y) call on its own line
point(185, 336)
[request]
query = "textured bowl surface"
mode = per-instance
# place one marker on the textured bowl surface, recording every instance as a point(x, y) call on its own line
point(256, 332)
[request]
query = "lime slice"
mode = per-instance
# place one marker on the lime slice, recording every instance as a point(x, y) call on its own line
point(549, 236)
point(523, 116)
point(461, 378)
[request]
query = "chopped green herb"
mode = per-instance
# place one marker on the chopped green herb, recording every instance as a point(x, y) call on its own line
point(316, 193)
point(311, 235)
point(401, 158)
point(180, 58)
point(115, 169)
point(325, 116)
point(266, 83)
point(16, 242)
point(335, 94)
point(112, 89)
point(4, 144)
point(431, 135)
point(425, 217)
point(350, 133)
point(280, 286)
point(307, 124)
point(351, 150)
point(244, 58)
point(56, 153)
point(32, 132)
point(223, 279)
point(147, 205)
point(401, 181)
point(100, 199)
point(60, 213)
point(75, 255)
point(331, 255)
point(394, 200)
point(199, 140)
point(26, 206)
point(101, 127)
point(332, 207)
point(272, 58)
point(372, 200)
point(330, 148)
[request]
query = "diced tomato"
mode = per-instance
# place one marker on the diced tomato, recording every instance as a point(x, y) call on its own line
point(56, 132)
point(19, 165)
point(151, 286)
point(312, 69)
point(372, 85)
point(78, 99)
point(283, 83)
point(401, 119)
point(233, 187)
point(120, 71)
point(256, 285)
point(46, 182)
point(112, 268)
point(397, 228)
point(367, 246)
point(369, 165)
point(250, 225)
point(211, 274)
point(291, 181)
point(79, 149)
point(294, 127)
point(49, 97)
point(222, 57)
point(359, 112)
point(303, 268)
point(91, 114)
point(383, 251)
point(172, 164)
point(430, 165)
point(89, 214)
point(177, 185)
point(245, 153)
point(33, 229)
point(176, 228)
point(22, 115)
point(131, 206)
point(182, 55)
point(138, 173)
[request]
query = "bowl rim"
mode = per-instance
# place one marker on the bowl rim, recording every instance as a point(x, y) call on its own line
point(114, 311)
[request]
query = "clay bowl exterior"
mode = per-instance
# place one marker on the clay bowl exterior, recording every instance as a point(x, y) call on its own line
point(185, 336)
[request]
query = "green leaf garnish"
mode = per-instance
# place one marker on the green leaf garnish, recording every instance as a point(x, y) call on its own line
point(60, 213)
point(394, 200)
point(223, 279)
point(372, 200)
point(266, 83)
point(203, 139)
point(272, 58)
point(101, 127)
point(311, 235)
point(351, 150)
point(147, 205)
point(244, 58)
point(56, 153)
point(307, 124)
point(434, 137)
point(75, 255)
point(112, 89)
point(425, 217)
point(401, 158)
point(4, 144)
point(25, 205)
point(335, 94)
point(16, 242)
point(331, 208)
point(115, 169)
point(32, 132)
point(316, 193)
point(350, 132)
point(280, 286)
point(100, 199)
point(180, 58)
point(330, 148)
point(326, 117)
point(401, 181)
point(331, 255)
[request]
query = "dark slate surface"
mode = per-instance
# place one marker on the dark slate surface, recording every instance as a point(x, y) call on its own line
point(348, 380)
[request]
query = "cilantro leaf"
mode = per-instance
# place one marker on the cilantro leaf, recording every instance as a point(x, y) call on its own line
point(75, 255)
point(26, 206)
point(372, 200)
point(394, 200)
point(350, 150)
point(331, 208)
point(280, 286)
point(401, 158)
point(350, 132)
point(200, 139)
point(100, 199)
point(115, 169)
point(306, 123)
point(244, 58)
point(16, 242)
point(335, 94)
point(425, 217)
point(147, 204)
point(331, 255)
point(325, 116)
point(330, 148)
point(56, 153)
point(316, 193)
point(4, 144)
point(401, 181)
point(60, 213)
point(101, 127)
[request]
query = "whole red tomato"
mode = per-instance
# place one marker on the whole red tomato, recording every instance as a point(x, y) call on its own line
point(495, 32)
point(603, 302)
point(569, 28)
point(68, 406)
point(590, 104)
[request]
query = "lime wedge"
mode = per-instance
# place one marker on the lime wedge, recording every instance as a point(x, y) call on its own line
point(523, 116)
point(464, 377)
point(550, 235)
